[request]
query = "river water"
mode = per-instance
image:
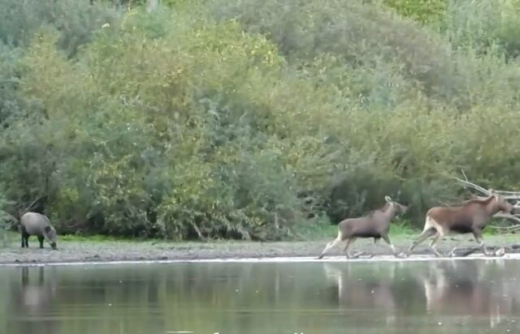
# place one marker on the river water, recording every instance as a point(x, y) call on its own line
point(453, 296)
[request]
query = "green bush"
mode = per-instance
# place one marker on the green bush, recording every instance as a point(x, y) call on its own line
point(241, 119)
point(10, 103)
point(484, 25)
point(355, 34)
point(75, 20)
point(424, 11)
point(6, 220)
point(154, 142)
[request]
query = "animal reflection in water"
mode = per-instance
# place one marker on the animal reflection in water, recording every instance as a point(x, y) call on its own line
point(445, 288)
point(34, 297)
point(370, 293)
point(459, 287)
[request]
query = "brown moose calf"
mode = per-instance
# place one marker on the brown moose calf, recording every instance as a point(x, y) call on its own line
point(374, 225)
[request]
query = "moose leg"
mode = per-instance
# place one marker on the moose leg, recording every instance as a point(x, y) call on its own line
point(25, 240)
point(387, 240)
point(500, 252)
point(25, 237)
point(452, 252)
point(478, 238)
point(423, 236)
point(350, 241)
point(433, 244)
point(40, 239)
point(477, 234)
point(329, 246)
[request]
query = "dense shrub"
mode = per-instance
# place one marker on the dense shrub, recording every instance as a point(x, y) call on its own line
point(361, 35)
point(484, 25)
point(424, 11)
point(241, 119)
point(75, 20)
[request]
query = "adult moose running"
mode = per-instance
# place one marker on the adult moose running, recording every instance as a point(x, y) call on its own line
point(374, 225)
point(469, 217)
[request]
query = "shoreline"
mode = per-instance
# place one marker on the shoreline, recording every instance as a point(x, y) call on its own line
point(114, 252)
point(332, 259)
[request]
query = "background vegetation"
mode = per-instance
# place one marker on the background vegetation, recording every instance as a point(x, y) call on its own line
point(245, 118)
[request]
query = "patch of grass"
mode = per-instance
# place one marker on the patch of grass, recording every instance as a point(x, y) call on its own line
point(93, 238)
point(13, 236)
point(403, 228)
point(323, 229)
point(316, 229)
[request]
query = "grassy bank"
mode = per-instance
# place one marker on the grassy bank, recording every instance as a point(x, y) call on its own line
point(319, 231)
point(106, 250)
point(307, 243)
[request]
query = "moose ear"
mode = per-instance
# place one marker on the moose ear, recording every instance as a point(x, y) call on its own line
point(493, 193)
point(47, 229)
point(388, 199)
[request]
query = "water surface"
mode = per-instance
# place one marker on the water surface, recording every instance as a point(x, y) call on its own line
point(463, 296)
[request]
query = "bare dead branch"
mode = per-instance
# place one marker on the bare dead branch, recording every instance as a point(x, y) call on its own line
point(464, 174)
point(508, 195)
point(473, 185)
point(507, 229)
point(507, 216)
point(33, 202)
point(197, 230)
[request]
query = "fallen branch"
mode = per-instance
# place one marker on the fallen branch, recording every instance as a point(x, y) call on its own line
point(507, 229)
point(512, 193)
point(507, 216)
point(197, 230)
point(508, 195)
point(30, 207)
point(473, 185)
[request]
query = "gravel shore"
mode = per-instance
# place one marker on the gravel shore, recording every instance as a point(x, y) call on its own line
point(107, 251)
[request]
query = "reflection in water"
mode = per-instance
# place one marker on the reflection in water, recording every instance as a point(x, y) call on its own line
point(33, 298)
point(454, 289)
point(326, 297)
point(457, 287)
point(371, 292)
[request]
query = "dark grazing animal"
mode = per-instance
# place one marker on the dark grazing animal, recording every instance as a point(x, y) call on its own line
point(32, 223)
point(469, 217)
point(374, 225)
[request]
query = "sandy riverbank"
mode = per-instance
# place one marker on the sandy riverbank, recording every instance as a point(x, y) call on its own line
point(108, 251)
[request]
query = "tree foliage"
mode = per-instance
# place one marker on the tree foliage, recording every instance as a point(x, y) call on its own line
point(241, 119)
point(424, 11)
